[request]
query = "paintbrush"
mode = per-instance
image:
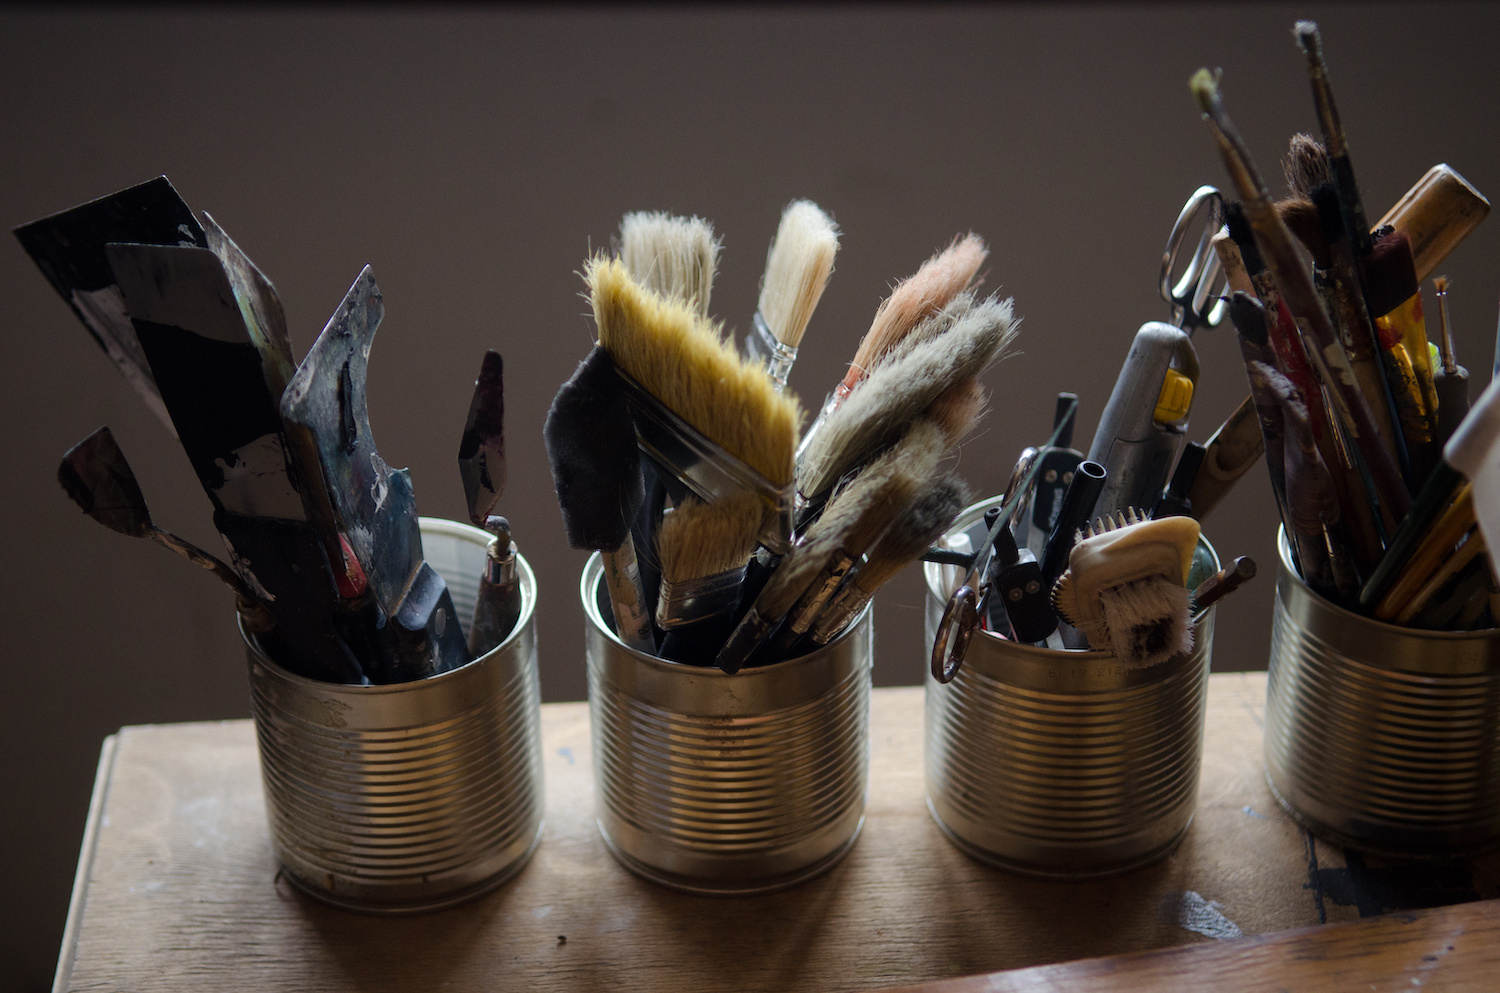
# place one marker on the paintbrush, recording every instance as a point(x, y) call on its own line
point(798, 266)
point(887, 494)
point(972, 336)
point(857, 514)
point(904, 541)
point(596, 470)
point(1437, 213)
point(703, 549)
point(69, 249)
point(1305, 164)
point(712, 419)
point(1451, 380)
point(912, 301)
point(1334, 142)
point(1295, 285)
point(1436, 546)
point(99, 480)
point(1395, 300)
point(374, 504)
point(481, 464)
point(1222, 583)
point(675, 257)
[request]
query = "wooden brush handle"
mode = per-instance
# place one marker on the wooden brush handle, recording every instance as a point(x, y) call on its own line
point(1436, 214)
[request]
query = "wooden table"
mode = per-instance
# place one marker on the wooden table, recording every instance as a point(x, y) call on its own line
point(177, 890)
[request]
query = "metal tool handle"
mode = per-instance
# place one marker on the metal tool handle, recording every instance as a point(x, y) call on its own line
point(1195, 296)
point(960, 618)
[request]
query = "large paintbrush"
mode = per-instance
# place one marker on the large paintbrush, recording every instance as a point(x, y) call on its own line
point(597, 472)
point(675, 257)
point(713, 420)
point(798, 266)
point(912, 301)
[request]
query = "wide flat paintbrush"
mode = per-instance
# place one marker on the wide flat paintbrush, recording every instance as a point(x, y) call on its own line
point(907, 538)
point(964, 338)
point(708, 416)
point(596, 470)
point(798, 266)
point(675, 257)
point(703, 549)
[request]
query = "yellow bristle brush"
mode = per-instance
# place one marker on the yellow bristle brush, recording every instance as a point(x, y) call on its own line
point(798, 266)
point(675, 257)
point(681, 362)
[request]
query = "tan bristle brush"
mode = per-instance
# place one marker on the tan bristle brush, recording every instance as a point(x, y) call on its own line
point(856, 515)
point(798, 266)
point(683, 361)
point(939, 280)
point(675, 257)
point(892, 483)
point(904, 387)
point(905, 541)
point(703, 549)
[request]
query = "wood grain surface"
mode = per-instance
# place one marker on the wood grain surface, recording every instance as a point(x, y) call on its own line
point(182, 893)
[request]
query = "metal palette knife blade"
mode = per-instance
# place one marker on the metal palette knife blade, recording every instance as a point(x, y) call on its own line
point(481, 452)
point(69, 248)
point(374, 503)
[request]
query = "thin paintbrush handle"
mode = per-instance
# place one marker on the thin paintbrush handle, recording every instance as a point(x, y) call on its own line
point(1444, 572)
point(1436, 544)
point(622, 579)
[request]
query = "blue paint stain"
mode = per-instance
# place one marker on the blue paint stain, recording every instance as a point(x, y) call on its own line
point(1252, 812)
point(566, 753)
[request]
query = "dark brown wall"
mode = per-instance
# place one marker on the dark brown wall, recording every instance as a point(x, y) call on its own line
point(475, 158)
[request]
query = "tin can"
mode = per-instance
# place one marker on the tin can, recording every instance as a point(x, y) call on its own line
point(721, 784)
point(1382, 738)
point(410, 796)
point(1063, 763)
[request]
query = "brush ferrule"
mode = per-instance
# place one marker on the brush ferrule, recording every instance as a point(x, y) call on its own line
point(764, 347)
point(818, 594)
point(706, 467)
point(751, 632)
point(831, 404)
point(690, 600)
point(844, 608)
point(500, 565)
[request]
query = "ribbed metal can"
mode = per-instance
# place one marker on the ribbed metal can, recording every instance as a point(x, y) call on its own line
point(409, 796)
point(722, 784)
point(1063, 763)
point(1382, 738)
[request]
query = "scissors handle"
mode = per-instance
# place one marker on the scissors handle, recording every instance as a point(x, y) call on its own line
point(1196, 296)
point(960, 618)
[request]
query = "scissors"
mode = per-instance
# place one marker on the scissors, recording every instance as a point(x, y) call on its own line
point(1196, 296)
point(961, 615)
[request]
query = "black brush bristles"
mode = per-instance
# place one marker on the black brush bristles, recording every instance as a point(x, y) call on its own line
point(591, 447)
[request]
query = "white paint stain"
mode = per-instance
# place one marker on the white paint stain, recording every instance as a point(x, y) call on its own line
point(1189, 910)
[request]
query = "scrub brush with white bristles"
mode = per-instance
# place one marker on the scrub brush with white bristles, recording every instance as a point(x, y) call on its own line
point(1125, 587)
